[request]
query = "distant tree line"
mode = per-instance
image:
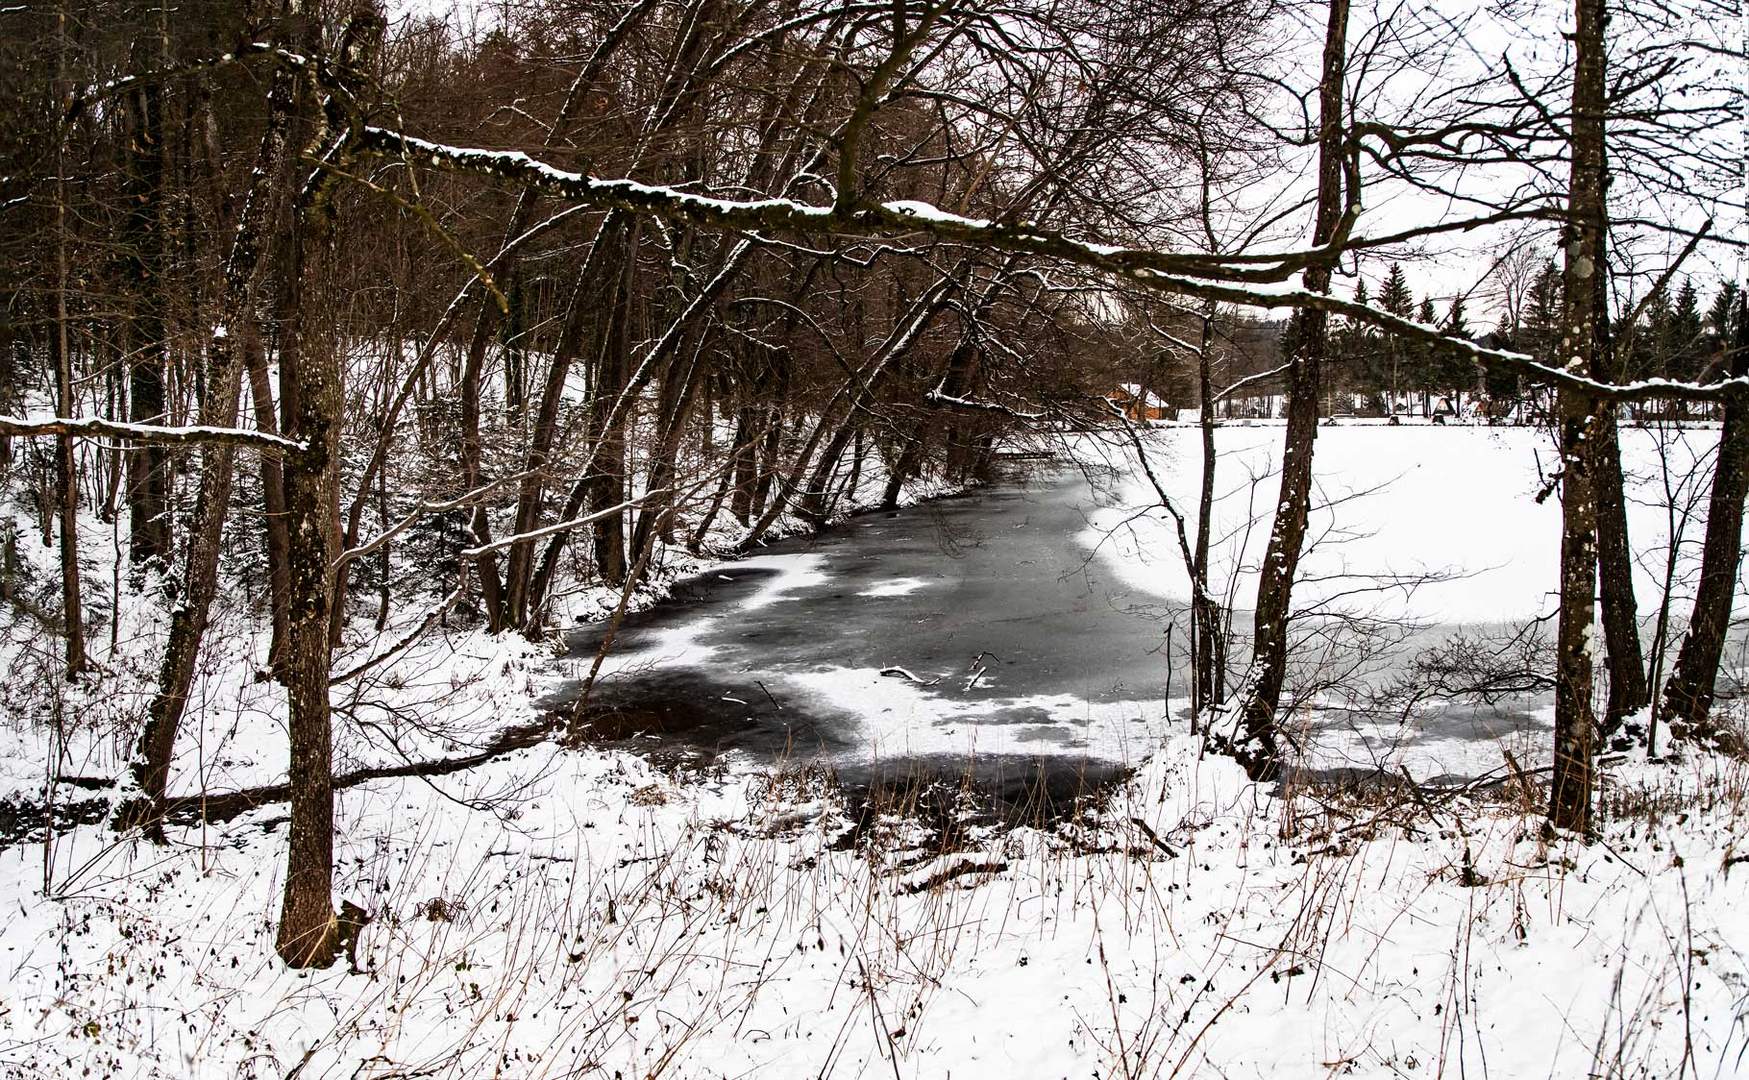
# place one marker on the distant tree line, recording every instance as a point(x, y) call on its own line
point(1377, 373)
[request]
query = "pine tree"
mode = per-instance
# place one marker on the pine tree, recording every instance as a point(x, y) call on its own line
point(1457, 322)
point(1423, 362)
point(1648, 352)
point(1395, 376)
point(1542, 314)
point(1354, 346)
point(1719, 324)
point(1395, 296)
point(1685, 345)
point(1456, 374)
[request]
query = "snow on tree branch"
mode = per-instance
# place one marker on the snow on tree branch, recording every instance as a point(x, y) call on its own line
point(93, 427)
point(1206, 277)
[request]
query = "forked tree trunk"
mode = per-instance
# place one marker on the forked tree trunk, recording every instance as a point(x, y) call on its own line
point(1628, 691)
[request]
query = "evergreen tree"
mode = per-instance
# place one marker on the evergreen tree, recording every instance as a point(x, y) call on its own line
point(1721, 332)
point(1457, 321)
point(1395, 296)
point(1720, 321)
point(1685, 349)
point(1356, 346)
point(1500, 385)
point(1539, 331)
point(1394, 363)
point(1648, 348)
point(1454, 373)
point(1422, 362)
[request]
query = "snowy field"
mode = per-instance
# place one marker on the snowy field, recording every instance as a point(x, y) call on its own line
point(1437, 524)
point(573, 912)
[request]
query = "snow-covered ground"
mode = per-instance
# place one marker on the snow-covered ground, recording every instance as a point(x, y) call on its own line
point(569, 911)
point(563, 913)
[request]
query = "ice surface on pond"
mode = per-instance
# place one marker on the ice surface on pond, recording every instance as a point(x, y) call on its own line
point(1032, 619)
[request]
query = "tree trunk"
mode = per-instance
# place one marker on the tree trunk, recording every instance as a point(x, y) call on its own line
point(310, 371)
point(606, 469)
point(679, 396)
point(581, 316)
point(188, 622)
point(1628, 691)
point(1255, 745)
point(1207, 640)
point(276, 535)
point(745, 455)
point(491, 590)
point(66, 478)
point(1688, 696)
point(1570, 791)
point(143, 243)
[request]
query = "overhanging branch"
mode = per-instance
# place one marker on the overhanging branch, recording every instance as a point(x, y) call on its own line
point(92, 427)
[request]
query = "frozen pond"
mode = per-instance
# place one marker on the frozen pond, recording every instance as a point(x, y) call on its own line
point(1019, 646)
point(1031, 618)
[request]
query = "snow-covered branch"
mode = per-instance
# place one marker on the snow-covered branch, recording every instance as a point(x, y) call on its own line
point(565, 526)
point(1235, 280)
point(92, 427)
point(938, 396)
point(896, 218)
point(1250, 380)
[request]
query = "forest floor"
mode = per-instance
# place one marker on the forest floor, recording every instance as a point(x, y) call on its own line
point(570, 909)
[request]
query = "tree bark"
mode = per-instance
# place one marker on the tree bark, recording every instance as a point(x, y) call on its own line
point(1688, 696)
point(310, 371)
point(1208, 641)
point(679, 397)
point(143, 247)
point(1255, 745)
point(1628, 690)
point(605, 477)
point(66, 478)
point(276, 536)
point(1587, 220)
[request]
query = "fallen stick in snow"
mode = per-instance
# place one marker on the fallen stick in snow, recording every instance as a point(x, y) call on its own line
point(1171, 852)
point(901, 673)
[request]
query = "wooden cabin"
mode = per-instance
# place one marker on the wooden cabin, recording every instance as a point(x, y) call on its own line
point(1139, 403)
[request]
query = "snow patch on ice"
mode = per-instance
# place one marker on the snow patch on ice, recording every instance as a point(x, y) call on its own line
point(896, 587)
